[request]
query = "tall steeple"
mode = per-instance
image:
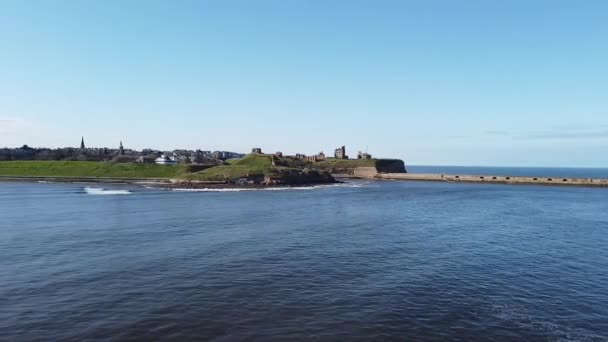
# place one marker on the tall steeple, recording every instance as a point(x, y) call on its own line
point(121, 150)
point(82, 143)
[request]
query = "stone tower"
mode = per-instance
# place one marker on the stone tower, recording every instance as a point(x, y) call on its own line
point(121, 150)
point(82, 143)
point(340, 153)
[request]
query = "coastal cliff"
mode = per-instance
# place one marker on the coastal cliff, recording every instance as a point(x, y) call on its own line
point(362, 167)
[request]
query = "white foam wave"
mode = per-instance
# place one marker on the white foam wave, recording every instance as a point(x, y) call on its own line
point(245, 189)
point(100, 191)
point(325, 186)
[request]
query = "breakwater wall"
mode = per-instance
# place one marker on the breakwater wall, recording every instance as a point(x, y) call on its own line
point(494, 179)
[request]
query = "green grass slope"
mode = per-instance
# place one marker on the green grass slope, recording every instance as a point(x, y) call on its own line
point(261, 164)
point(89, 169)
point(258, 161)
point(258, 167)
point(246, 167)
point(345, 163)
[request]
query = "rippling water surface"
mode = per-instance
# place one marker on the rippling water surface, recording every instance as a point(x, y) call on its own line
point(513, 171)
point(361, 261)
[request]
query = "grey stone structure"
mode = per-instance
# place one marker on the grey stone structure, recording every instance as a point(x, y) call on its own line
point(340, 153)
point(364, 155)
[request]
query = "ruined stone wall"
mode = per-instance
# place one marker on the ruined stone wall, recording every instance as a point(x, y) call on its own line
point(365, 172)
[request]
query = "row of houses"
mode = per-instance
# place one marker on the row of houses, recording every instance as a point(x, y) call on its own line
point(179, 156)
point(339, 153)
point(67, 153)
point(189, 157)
point(120, 154)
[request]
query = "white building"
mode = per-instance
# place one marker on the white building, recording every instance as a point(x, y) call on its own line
point(165, 160)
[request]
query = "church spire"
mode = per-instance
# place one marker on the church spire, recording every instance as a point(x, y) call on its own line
point(82, 143)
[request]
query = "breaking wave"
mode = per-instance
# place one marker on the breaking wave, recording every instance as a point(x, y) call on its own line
point(101, 191)
point(285, 188)
point(245, 189)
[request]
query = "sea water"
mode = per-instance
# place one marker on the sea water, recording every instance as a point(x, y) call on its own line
point(366, 260)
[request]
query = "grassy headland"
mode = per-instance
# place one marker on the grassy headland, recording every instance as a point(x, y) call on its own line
point(253, 168)
point(258, 167)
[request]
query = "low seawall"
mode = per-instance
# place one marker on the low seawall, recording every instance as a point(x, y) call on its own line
point(82, 179)
point(494, 179)
point(106, 180)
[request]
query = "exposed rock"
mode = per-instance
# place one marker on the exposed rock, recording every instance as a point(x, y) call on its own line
point(299, 177)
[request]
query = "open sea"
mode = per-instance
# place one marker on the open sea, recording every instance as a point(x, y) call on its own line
point(364, 260)
point(512, 171)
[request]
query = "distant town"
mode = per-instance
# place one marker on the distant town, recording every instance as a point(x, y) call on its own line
point(125, 155)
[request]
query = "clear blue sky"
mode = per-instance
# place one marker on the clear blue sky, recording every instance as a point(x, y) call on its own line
point(522, 83)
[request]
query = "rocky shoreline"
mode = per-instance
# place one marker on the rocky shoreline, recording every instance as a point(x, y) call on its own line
point(246, 184)
point(106, 180)
point(169, 183)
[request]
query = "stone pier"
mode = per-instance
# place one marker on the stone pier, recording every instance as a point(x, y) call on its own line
point(595, 182)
